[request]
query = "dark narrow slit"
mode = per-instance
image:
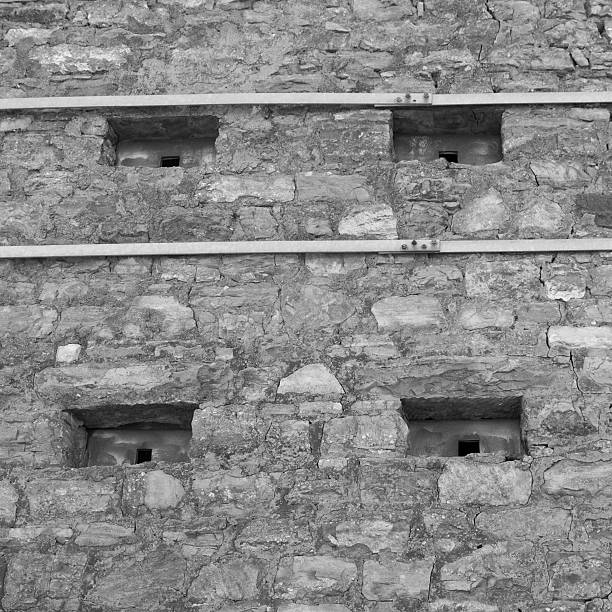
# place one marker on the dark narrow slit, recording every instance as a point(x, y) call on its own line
point(169, 162)
point(466, 447)
point(143, 455)
point(450, 156)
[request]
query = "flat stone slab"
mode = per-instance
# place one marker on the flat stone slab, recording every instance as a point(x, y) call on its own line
point(313, 379)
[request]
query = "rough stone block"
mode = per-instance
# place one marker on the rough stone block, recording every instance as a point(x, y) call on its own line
point(30, 321)
point(494, 568)
point(92, 384)
point(301, 576)
point(52, 497)
point(502, 278)
point(103, 534)
point(76, 59)
point(309, 307)
point(332, 187)
point(564, 282)
point(8, 502)
point(579, 478)
point(527, 523)
point(165, 314)
point(410, 312)
point(560, 174)
point(154, 581)
point(390, 483)
point(486, 213)
point(580, 575)
point(376, 534)
point(483, 316)
point(467, 482)
point(563, 339)
point(313, 379)
point(231, 581)
point(275, 188)
point(391, 580)
point(162, 491)
point(379, 435)
point(68, 353)
point(368, 221)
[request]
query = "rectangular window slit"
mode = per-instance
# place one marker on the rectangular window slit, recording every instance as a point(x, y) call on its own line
point(449, 156)
point(170, 162)
point(466, 447)
point(143, 455)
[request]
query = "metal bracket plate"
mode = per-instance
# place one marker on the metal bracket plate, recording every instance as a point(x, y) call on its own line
point(410, 99)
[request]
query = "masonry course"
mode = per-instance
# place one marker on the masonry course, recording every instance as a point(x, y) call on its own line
point(300, 494)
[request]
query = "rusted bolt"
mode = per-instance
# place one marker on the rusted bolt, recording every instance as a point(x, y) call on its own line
point(398, 99)
point(434, 243)
point(423, 246)
point(404, 247)
point(414, 243)
point(426, 95)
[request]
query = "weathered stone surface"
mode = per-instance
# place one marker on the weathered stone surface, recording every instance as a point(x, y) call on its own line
point(130, 383)
point(313, 187)
point(559, 174)
point(102, 534)
point(579, 478)
point(389, 580)
point(368, 221)
point(580, 575)
point(162, 491)
point(311, 308)
point(30, 321)
point(565, 282)
point(8, 502)
point(410, 312)
point(493, 568)
point(301, 576)
point(69, 353)
point(485, 213)
point(362, 435)
point(482, 316)
point(264, 188)
point(67, 59)
point(499, 278)
point(233, 581)
point(563, 339)
point(313, 608)
point(542, 218)
point(376, 534)
point(51, 497)
point(497, 484)
point(525, 523)
point(313, 379)
point(169, 316)
point(155, 581)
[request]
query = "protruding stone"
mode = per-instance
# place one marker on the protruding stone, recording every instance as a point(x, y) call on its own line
point(467, 482)
point(582, 576)
point(8, 502)
point(277, 188)
point(481, 316)
point(485, 213)
point(162, 491)
point(68, 353)
point(410, 312)
point(304, 576)
point(580, 478)
point(559, 173)
point(369, 222)
point(313, 379)
point(233, 581)
point(389, 580)
point(562, 339)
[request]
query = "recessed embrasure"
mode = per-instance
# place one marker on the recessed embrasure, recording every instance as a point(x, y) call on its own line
point(165, 142)
point(119, 435)
point(456, 427)
point(458, 135)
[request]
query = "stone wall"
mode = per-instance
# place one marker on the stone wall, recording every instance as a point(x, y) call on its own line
point(301, 494)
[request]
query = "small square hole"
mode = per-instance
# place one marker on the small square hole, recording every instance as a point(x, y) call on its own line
point(449, 156)
point(170, 162)
point(466, 447)
point(143, 455)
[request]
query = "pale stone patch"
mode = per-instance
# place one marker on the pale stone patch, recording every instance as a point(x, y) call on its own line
point(581, 478)
point(391, 579)
point(8, 502)
point(313, 379)
point(68, 353)
point(559, 174)
point(376, 534)
point(496, 484)
point(279, 188)
point(162, 491)
point(482, 316)
point(395, 312)
point(562, 339)
point(371, 221)
point(482, 214)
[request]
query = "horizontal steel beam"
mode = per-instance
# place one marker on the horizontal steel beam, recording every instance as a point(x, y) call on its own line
point(310, 99)
point(422, 246)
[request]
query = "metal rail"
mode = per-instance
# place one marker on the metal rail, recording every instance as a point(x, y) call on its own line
point(309, 99)
point(162, 249)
